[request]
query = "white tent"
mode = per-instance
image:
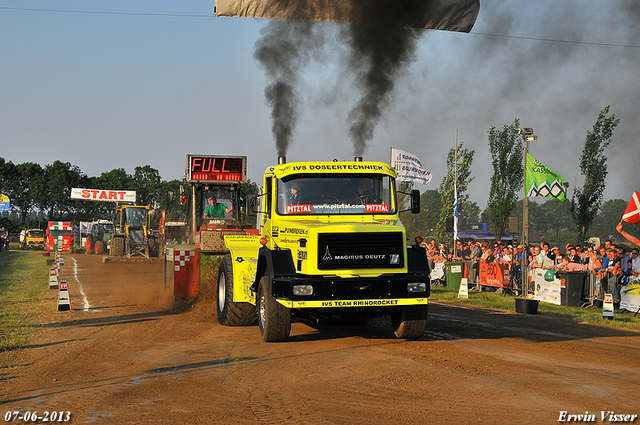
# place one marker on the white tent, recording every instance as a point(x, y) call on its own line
point(449, 15)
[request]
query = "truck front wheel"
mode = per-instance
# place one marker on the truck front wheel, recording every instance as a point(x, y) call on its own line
point(117, 247)
point(274, 318)
point(409, 322)
point(89, 249)
point(231, 313)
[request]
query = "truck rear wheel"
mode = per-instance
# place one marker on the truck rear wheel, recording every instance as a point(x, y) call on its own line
point(409, 322)
point(231, 313)
point(154, 248)
point(99, 247)
point(89, 245)
point(274, 318)
point(117, 247)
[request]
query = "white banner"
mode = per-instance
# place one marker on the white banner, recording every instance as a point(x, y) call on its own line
point(409, 167)
point(630, 296)
point(449, 15)
point(547, 291)
point(128, 196)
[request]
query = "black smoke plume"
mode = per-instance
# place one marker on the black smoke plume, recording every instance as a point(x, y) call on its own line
point(285, 48)
point(379, 50)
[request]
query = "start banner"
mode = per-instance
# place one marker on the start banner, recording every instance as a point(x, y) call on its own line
point(104, 195)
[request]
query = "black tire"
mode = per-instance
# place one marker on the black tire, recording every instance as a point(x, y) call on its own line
point(89, 247)
point(409, 322)
point(99, 247)
point(154, 248)
point(117, 246)
point(274, 318)
point(231, 313)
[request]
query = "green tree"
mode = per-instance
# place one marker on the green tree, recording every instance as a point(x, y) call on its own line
point(555, 219)
point(468, 212)
point(608, 217)
point(26, 187)
point(587, 199)
point(508, 173)
point(60, 177)
point(146, 182)
point(464, 161)
point(421, 224)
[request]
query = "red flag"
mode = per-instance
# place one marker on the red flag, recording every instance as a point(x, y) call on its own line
point(632, 214)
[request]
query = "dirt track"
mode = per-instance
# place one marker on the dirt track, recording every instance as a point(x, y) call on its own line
point(127, 357)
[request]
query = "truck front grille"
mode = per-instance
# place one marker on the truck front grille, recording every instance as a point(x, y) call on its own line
point(360, 250)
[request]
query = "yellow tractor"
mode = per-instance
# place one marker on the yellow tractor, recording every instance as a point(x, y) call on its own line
point(132, 236)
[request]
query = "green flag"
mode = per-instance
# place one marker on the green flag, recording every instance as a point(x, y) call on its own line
point(542, 181)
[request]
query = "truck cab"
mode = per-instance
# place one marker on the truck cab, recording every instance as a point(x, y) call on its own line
point(331, 244)
point(34, 239)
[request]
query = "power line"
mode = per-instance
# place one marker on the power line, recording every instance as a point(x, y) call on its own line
point(179, 15)
point(556, 40)
point(173, 15)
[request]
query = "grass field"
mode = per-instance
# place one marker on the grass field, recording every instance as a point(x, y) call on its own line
point(23, 277)
point(623, 318)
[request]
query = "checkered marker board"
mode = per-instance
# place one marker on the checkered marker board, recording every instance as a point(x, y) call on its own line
point(181, 258)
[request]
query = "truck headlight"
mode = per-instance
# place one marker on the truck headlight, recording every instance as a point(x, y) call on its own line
point(303, 290)
point(416, 287)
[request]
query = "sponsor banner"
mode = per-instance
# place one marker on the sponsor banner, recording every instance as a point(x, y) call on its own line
point(630, 297)
point(494, 274)
point(544, 289)
point(128, 196)
point(337, 208)
point(354, 303)
point(409, 167)
point(5, 203)
point(543, 181)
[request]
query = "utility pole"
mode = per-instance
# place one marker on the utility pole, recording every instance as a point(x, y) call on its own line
point(527, 136)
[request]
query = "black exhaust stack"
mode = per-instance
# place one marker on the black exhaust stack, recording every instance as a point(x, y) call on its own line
point(358, 159)
point(282, 160)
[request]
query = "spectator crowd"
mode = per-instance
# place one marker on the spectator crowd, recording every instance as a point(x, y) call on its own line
point(609, 266)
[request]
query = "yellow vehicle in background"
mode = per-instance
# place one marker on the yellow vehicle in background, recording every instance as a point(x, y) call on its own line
point(132, 236)
point(33, 239)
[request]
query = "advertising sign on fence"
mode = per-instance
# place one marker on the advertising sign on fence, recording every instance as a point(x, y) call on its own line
point(494, 274)
point(630, 297)
point(545, 289)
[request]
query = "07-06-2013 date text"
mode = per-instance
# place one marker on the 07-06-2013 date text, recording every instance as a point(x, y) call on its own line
point(35, 417)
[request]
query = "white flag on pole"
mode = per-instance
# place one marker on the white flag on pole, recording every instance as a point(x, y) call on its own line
point(409, 167)
point(455, 213)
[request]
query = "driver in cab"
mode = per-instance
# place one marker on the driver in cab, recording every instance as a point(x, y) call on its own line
point(293, 195)
point(216, 210)
point(361, 194)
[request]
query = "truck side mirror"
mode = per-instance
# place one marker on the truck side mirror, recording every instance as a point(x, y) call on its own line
point(253, 204)
point(415, 201)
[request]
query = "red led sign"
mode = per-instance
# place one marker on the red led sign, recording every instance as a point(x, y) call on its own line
point(216, 169)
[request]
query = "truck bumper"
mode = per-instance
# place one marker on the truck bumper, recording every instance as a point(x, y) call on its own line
point(383, 291)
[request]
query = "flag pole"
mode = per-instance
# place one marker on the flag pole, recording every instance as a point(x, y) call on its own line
point(455, 194)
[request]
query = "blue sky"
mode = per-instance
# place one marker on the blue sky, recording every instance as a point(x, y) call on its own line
point(126, 87)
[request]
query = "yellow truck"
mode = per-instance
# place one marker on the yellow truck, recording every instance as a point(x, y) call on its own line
point(330, 245)
point(33, 239)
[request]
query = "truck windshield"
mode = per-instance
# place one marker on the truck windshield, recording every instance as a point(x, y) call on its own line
point(136, 217)
point(60, 233)
point(36, 234)
point(342, 194)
